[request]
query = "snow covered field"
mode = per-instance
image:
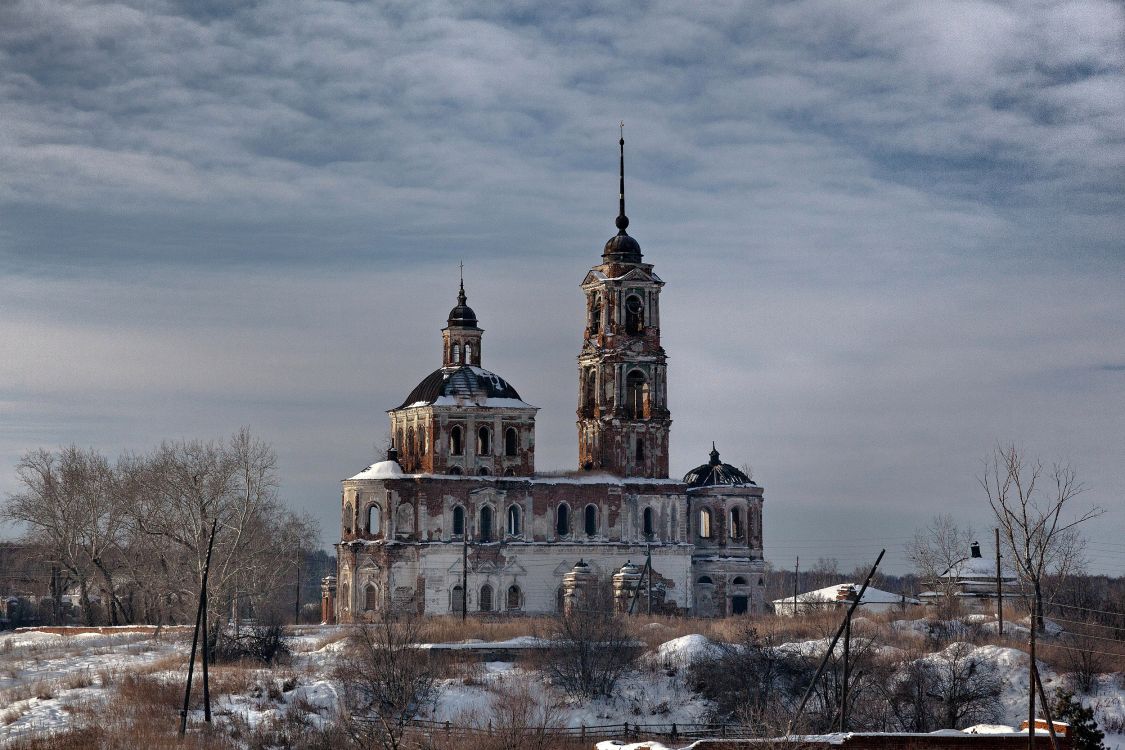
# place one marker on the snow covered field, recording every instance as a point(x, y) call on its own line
point(51, 682)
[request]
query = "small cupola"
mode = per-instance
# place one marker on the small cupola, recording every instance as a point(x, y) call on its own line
point(462, 316)
point(461, 335)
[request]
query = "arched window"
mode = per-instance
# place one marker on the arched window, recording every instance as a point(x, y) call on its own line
point(374, 519)
point(514, 527)
point(468, 354)
point(345, 596)
point(634, 315)
point(455, 470)
point(425, 440)
point(458, 521)
point(404, 520)
point(735, 523)
point(455, 356)
point(509, 472)
point(511, 441)
point(456, 443)
point(485, 530)
point(409, 447)
point(484, 442)
point(647, 523)
point(348, 514)
point(486, 598)
point(640, 448)
point(738, 581)
point(591, 520)
point(457, 599)
point(595, 316)
point(483, 471)
point(370, 598)
point(705, 523)
point(562, 520)
point(513, 597)
point(590, 391)
point(636, 395)
point(705, 580)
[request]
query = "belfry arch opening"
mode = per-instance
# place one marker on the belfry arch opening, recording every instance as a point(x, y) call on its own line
point(634, 315)
point(636, 395)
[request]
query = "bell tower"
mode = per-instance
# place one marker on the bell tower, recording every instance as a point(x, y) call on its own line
point(623, 418)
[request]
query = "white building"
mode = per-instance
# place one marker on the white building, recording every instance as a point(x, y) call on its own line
point(973, 581)
point(841, 596)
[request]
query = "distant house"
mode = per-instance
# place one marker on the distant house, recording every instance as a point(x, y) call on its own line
point(842, 595)
point(973, 581)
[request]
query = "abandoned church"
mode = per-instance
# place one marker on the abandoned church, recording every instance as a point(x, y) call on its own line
point(456, 517)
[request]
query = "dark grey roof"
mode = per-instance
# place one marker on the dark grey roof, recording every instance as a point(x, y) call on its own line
point(622, 248)
point(462, 316)
point(459, 384)
point(715, 472)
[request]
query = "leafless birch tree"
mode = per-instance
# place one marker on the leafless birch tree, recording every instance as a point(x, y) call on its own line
point(1041, 542)
point(935, 550)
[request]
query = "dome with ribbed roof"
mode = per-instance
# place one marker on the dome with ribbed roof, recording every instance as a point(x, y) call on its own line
point(464, 386)
point(715, 472)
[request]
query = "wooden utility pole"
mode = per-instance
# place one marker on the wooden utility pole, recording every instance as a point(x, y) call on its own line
point(1046, 710)
point(844, 689)
point(796, 581)
point(1031, 689)
point(648, 564)
point(464, 572)
point(999, 587)
point(200, 618)
point(297, 593)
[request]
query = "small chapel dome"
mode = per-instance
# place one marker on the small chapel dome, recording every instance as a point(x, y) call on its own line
point(715, 472)
point(462, 316)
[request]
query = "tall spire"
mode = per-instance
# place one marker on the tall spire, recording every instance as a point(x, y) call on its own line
point(622, 219)
point(461, 299)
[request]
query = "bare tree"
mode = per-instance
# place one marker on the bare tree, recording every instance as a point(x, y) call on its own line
point(1041, 543)
point(385, 680)
point(189, 484)
point(935, 551)
point(591, 647)
point(71, 506)
point(952, 689)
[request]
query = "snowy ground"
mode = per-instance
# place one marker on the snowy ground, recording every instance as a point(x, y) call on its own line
point(44, 677)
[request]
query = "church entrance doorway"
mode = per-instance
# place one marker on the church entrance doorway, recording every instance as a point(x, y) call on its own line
point(738, 605)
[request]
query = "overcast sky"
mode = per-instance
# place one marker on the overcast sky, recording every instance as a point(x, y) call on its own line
point(893, 234)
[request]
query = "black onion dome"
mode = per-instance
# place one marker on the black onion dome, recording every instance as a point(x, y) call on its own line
point(622, 248)
point(462, 316)
point(715, 472)
point(461, 385)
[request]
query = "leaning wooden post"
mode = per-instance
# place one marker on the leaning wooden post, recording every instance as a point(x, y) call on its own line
point(832, 645)
point(1046, 710)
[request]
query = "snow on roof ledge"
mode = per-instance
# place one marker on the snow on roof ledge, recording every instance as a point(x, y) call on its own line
point(380, 470)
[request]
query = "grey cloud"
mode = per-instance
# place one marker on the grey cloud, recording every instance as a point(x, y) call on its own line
point(891, 233)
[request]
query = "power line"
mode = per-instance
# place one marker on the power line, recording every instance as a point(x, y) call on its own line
point(1087, 609)
point(1083, 622)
